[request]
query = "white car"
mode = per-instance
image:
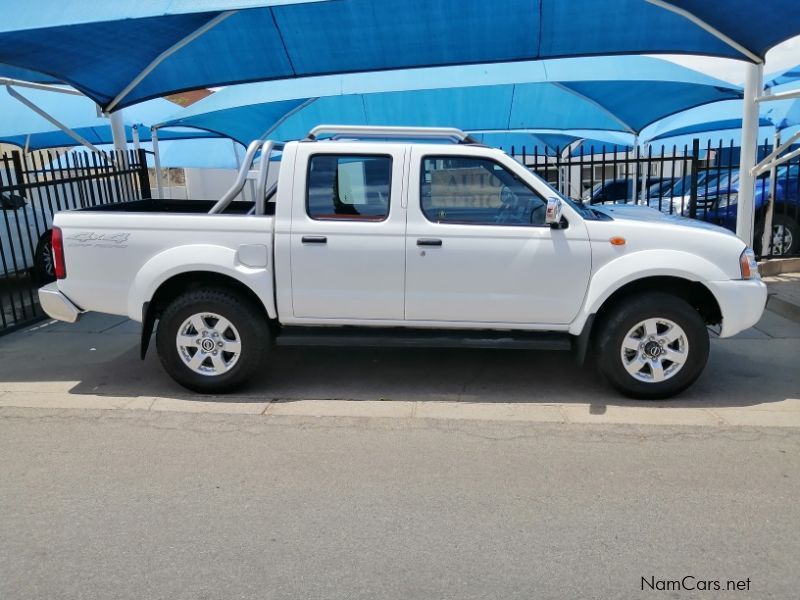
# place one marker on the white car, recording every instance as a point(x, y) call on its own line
point(405, 241)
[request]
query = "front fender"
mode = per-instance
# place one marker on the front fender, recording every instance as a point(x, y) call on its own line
point(639, 265)
point(198, 258)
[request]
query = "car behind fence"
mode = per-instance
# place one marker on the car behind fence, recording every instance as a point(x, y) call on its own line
point(695, 181)
point(33, 187)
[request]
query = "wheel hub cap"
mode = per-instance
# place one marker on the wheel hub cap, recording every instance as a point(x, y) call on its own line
point(208, 344)
point(654, 350)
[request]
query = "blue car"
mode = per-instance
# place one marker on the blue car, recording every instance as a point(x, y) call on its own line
point(718, 203)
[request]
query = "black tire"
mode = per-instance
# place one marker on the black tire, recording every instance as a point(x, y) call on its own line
point(623, 317)
point(791, 235)
point(249, 321)
point(43, 268)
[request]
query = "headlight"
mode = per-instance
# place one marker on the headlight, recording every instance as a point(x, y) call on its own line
point(747, 264)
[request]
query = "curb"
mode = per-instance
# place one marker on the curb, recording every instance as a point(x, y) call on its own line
point(784, 308)
point(776, 266)
point(781, 415)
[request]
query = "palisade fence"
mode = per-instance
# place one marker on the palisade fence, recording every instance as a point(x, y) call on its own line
point(35, 186)
point(696, 181)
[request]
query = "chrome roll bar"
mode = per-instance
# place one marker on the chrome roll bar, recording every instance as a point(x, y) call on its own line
point(260, 175)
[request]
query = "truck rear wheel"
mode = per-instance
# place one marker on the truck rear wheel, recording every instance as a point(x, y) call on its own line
point(212, 341)
point(652, 346)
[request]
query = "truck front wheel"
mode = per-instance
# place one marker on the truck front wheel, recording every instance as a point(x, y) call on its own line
point(652, 346)
point(212, 341)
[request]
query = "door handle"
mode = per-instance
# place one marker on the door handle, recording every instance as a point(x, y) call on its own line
point(315, 239)
point(428, 242)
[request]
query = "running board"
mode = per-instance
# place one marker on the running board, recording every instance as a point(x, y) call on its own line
point(422, 338)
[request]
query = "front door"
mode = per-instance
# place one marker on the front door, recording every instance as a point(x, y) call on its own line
point(348, 233)
point(478, 250)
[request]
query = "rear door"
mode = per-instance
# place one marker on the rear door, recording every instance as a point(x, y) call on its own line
point(347, 240)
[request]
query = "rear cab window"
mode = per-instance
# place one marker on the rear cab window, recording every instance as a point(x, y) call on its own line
point(349, 187)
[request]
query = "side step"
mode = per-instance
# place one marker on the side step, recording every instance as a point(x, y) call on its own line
point(399, 337)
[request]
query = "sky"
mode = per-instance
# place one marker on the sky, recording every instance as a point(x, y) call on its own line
point(781, 57)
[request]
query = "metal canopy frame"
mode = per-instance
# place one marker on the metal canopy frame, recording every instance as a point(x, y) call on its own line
point(12, 83)
point(753, 91)
point(771, 161)
point(166, 54)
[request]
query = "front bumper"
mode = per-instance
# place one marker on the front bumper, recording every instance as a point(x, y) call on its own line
point(57, 305)
point(741, 301)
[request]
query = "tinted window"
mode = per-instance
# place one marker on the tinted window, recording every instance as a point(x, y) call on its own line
point(477, 191)
point(349, 187)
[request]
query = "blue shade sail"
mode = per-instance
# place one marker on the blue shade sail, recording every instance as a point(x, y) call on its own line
point(210, 153)
point(720, 117)
point(622, 94)
point(102, 48)
point(20, 126)
point(790, 75)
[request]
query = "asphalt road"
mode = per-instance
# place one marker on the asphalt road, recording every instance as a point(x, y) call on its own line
point(136, 504)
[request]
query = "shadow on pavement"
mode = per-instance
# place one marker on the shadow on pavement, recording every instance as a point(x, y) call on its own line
point(101, 358)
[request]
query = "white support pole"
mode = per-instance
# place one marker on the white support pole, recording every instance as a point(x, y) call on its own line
point(745, 216)
point(766, 236)
point(157, 163)
point(645, 175)
point(635, 172)
point(118, 133)
point(135, 135)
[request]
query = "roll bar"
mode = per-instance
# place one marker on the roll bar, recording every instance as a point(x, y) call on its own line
point(260, 175)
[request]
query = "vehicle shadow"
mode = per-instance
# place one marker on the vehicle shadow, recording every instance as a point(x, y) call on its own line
point(740, 372)
point(453, 375)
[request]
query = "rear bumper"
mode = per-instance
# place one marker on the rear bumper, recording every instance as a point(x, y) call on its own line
point(57, 305)
point(741, 302)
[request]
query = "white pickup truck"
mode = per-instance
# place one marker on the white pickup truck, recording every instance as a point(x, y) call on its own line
point(406, 237)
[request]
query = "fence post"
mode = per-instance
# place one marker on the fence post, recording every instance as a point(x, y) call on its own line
point(144, 177)
point(695, 165)
point(19, 173)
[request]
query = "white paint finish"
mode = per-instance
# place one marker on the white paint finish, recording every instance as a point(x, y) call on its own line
point(118, 277)
point(373, 274)
point(492, 273)
point(358, 273)
point(253, 255)
point(741, 302)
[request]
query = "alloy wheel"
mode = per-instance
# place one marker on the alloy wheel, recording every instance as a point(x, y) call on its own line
point(208, 344)
point(654, 350)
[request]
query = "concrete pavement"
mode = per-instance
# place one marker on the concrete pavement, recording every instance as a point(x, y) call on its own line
point(135, 504)
point(751, 379)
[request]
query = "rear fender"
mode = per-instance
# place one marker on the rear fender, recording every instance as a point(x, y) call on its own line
point(201, 258)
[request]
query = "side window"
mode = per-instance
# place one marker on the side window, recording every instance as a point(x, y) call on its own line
point(349, 187)
point(477, 191)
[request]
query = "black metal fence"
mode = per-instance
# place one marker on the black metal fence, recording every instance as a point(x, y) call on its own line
point(33, 187)
point(695, 181)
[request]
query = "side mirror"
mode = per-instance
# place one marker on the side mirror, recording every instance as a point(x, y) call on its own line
point(552, 216)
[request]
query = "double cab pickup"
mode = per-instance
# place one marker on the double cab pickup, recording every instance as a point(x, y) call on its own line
point(407, 237)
